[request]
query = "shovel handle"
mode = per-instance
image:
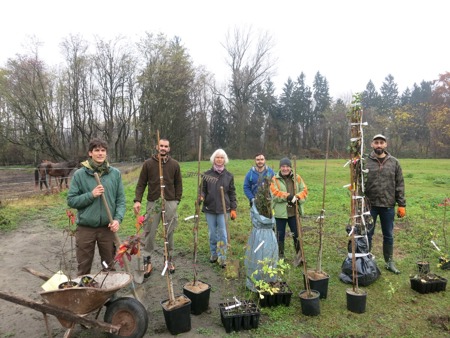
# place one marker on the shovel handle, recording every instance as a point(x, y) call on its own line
point(225, 214)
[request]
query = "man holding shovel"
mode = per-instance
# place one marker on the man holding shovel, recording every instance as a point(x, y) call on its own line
point(286, 192)
point(173, 189)
point(93, 224)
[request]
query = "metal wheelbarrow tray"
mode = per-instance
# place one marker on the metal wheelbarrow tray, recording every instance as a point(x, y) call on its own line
point(124, 317)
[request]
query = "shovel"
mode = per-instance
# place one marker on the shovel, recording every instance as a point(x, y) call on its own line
point(117, 239)
point(232, 267)
point(298, 257)
point(139, 273)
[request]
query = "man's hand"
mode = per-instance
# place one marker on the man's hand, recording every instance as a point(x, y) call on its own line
point(98, 191)
point(233, 214)
point(401, 212)
point(114, 226)
point(137, 208)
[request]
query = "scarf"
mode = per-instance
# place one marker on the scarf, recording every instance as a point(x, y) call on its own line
point(97, 168)
point(218, 168)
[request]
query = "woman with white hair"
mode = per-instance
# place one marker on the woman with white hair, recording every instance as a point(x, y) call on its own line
point(216, 177)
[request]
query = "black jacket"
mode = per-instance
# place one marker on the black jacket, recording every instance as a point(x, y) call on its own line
point(212, 200)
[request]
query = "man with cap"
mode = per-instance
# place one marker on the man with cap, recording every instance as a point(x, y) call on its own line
point(384, 188)
point(286, 192)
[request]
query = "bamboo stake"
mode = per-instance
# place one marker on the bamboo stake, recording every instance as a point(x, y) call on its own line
point(322, 212)
point(163, 219)
point(197, 208)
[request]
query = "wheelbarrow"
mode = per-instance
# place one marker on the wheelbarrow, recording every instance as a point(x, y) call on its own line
point(124, 317)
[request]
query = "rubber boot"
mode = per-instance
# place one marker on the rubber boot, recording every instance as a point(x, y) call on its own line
point(280, 250)
point(388, 251)
point(148, 267)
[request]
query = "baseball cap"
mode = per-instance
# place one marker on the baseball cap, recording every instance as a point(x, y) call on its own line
point(379, 136)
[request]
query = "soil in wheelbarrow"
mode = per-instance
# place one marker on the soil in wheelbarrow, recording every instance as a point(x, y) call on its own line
point(39, 247)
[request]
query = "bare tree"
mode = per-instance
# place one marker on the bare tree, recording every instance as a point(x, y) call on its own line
point(251, 65)
point(28, 90)
point(115, 67)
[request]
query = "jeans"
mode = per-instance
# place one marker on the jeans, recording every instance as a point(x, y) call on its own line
point(217, 235)
point(387, 224)
point(281, 227)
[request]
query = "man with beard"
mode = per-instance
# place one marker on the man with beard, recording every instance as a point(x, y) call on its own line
point(173, 190)
point(384, 188)
point(255, 177)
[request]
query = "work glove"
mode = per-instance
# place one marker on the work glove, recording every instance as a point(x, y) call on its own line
point(401, 212)
point(292, 199)
point(251, 202)
point(233, 214)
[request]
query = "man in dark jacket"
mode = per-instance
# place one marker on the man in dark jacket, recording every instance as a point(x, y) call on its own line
point(173, 189)
point(92, 219)
point(384, 188)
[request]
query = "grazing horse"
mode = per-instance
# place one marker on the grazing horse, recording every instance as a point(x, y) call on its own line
point(60, 171)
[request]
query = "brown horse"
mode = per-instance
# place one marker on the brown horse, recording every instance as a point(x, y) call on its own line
point(60, 171)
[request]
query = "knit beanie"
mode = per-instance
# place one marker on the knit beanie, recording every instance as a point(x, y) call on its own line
point(285, 161)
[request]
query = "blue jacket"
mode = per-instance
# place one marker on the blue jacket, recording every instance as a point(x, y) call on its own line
point(253, 181)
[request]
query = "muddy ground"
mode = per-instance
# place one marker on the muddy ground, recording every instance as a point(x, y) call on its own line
point(36, 245)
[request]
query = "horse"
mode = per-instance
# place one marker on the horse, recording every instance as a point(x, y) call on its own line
point(60, 171)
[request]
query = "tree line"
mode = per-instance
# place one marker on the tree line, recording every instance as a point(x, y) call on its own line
point(125, 92)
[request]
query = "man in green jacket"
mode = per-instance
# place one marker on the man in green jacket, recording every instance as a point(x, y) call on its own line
point(385, 187)
point(93, 226)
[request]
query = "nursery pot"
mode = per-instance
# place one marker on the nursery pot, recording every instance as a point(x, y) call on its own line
point(424, 267)
point(310, 304)
point(67, 285)
point(199, 296)
point(356, 301)
point(178, 316)
point(318, 282)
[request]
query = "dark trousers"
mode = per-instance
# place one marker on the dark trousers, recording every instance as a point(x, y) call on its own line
point(387, 216)
point(281, 227)
point(86, 239)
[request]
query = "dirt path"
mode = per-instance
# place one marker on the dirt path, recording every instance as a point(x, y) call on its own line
point(36, 245)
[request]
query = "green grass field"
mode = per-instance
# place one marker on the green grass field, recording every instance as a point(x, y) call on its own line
point(393, 309)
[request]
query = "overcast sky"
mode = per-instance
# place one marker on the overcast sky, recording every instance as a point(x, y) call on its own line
point(349, 41)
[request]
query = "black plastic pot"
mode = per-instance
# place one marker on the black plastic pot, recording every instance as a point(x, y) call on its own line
point(67, 285)
point(320, 285)
point(424, 267)
point(310, 304)
point(200, 300)
point(421, 285)
point(282, 297)
point(244, 317)
point(178, 320)
point(356, 301)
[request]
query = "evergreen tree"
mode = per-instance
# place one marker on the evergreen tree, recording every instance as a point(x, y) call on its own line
point(218, 125)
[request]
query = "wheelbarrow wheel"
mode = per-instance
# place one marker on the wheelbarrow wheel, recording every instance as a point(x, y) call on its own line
point(130, 314)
